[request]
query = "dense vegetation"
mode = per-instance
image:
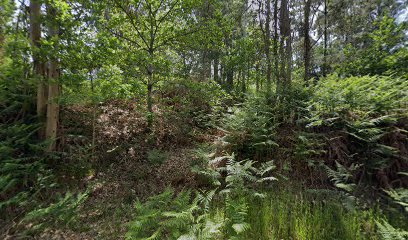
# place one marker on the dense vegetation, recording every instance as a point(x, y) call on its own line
point(203, 119)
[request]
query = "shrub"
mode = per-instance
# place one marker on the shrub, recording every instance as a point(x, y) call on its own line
point(364, 122)
point(199, 103)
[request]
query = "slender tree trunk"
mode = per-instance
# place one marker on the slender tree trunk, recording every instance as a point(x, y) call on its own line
point(216, 63)
point(247, 79)
point(288, 38)
point(306, 49)
point(325, 38)
point(275, 43)
point(257, 75)
point(285, 46)
point(289, 57)
point(39, 66)
point(222, 72)
point(93, 115)
point(239, 79)
point(150, 90)
point(1, 45)
point(149, 95)
point(53, 85)
point(281, 50)
point(149, 99)
point(205, 64)
point(267, 48)
point(228, 67)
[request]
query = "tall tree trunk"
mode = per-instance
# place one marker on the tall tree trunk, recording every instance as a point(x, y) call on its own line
point(149, 94)
point(257, 77)
point(205, 64)
point(275, 42)
point(288, 46)
point(239, 80)
point(325, 66)
point(216, 66)
point(150, 87)
point(53, 87)
point(285, 46)
point(267, 48)
point(222, 72)
point(230, 78)
point(289, 58)
point(93, 115)
point(39, 66)
point(307, 48)
point(228, 66)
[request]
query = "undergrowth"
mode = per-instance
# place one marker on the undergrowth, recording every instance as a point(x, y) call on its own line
point(351, 132)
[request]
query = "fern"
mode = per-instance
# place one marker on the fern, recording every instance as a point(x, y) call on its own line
point(388, 232)
point(165, 217)
point(59, 214)
point(342, 177)
point(399, 196)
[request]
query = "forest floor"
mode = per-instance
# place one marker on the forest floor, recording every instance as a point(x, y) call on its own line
point(130, 164)
point(115, 185)
point(114, 190)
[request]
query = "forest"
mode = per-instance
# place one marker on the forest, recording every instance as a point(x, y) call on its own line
point(204, 119)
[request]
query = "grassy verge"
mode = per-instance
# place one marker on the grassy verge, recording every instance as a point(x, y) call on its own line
point(289, 215)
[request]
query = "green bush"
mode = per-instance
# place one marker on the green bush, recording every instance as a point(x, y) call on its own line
point(364, 119)
point(198, 103)
point(63, 213)
point(384, 53)
point(164, 216)
point(22, 166)
point(362, 124)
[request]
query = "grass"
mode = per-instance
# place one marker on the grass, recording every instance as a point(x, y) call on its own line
point(299, 215)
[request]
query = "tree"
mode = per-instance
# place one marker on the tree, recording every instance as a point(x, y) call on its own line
point(326, 39)
point(5, 16)
point(307, 47)
point(38, 63)
point(385, 52)
point(285, 48)
point(265, 28)
point(53, 75)
point(150, 27)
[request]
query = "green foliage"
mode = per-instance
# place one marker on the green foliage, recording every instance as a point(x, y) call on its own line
point(180, 217)
point(166, 216)
point(399, 196)
point(27, 179)
point(63, 213)
point(285, 214)
point(23, 171)
point(242, 174)
point(343, 178)
point(200, 103)
point(358, 99)
point(24, 174)
point(199, 165)
point(251, 129)
point(241, 180)
point(388, 232)
point(253, 126)
point(165, 52)
point(279, 215)
point(384, 53)
point(360, 115)
point(309, 147)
